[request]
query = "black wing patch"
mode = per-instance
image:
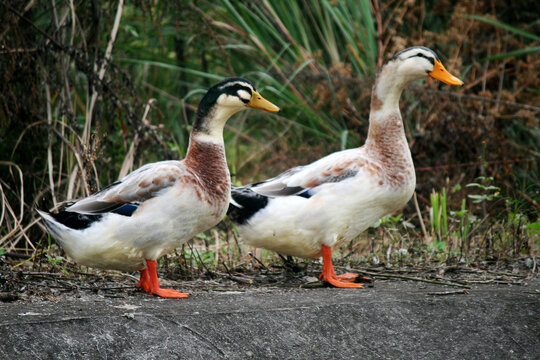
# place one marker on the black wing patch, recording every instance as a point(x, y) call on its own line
point(78, 221)
point(126, 209)
point(306, 194)
point(250, 203)
point(75, 220)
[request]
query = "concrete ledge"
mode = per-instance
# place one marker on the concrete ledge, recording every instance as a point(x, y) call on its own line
point(393, 320)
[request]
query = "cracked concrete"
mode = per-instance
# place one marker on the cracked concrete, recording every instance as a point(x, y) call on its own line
point(393, 320)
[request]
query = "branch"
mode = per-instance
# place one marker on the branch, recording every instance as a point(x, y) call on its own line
point(476, 97)
point(21, 16)
point(101, 73)
point(469, 164)
point(375, 274)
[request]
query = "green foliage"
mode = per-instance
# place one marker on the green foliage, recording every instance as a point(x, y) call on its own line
point(513, 30)
point(534, 229)
point(286, 33)
point(54, 260)
point(465, 219)
point(438, 214)
point(271, 42)
point(490, 192)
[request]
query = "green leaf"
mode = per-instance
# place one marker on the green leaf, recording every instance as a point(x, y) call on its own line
point(172, 67)
point(511, 54)
point(344, 135)
point(534, 228)
point(504, 26)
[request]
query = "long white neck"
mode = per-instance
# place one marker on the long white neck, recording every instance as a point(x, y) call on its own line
point(386, 135)
point(387, 89)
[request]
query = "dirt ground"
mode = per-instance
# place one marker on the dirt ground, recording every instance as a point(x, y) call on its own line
point(53, 283)
point(406, 313)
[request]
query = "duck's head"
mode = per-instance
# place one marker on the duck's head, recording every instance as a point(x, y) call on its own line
point(225, 99)
point(406, 66)
point(417, 62)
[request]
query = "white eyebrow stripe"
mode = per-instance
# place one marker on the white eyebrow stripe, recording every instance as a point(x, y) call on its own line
point(235, 83)
point(244, 94)
point(415, 50)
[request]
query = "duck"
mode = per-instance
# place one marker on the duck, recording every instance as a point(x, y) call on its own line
point(308, 210)
point(131, 223)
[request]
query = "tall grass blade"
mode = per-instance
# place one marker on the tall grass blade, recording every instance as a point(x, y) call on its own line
point(504, 26)
point(512, 54)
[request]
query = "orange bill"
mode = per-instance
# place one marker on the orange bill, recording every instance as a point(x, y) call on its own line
point(258, 102)
point(440, 73)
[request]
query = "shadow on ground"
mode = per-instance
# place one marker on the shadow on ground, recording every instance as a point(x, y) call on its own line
point(392, 320)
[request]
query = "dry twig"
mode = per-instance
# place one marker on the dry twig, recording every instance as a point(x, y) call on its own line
point(445, 293)
point(376, 274)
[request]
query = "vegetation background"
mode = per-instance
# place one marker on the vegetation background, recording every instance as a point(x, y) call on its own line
point(90, 90)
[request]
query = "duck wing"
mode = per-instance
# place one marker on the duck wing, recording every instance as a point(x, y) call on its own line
point(333, 168)
point(140, 185)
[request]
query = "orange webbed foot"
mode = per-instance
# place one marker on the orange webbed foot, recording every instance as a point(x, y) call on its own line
point(341, 281)
point(334, 281)
point(355, 278)
point(149, 282)
point(328, 274)
point(347, 277)
point(170, 294)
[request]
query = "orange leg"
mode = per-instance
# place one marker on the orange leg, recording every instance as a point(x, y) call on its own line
point(328, 274)
point(149, 282)
point(144, 282)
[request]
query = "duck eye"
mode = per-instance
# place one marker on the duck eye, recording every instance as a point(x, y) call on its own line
point(430, 59)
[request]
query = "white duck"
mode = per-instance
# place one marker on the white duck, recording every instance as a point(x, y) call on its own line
point(128, 225)
point(307, 210)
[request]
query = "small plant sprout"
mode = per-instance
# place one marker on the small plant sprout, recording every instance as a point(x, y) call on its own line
point(490, 192)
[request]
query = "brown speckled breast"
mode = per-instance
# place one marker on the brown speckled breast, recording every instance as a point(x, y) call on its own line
point(387, 145)
point(207, 161)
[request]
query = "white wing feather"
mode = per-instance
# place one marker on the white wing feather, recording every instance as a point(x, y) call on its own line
point(330, 169)
point(142, 184)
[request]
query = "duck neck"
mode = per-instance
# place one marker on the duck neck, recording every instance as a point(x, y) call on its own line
point(209, 123)
point(206, 151)
point(204, 148)
point(207, 160)
point(387, 90)
point(386, 135)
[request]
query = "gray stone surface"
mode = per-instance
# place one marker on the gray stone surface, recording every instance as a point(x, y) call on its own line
point(393, 320)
